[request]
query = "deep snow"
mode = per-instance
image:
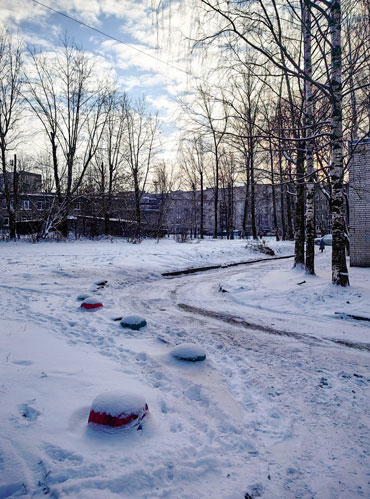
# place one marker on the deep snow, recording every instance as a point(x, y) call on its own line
point(278, 408)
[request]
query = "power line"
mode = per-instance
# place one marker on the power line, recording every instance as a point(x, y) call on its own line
point(114, 38)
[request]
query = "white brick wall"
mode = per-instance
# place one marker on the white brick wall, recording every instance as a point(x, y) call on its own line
point(359, 202)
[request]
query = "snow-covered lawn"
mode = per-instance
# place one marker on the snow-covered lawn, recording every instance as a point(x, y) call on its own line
point(279, 408)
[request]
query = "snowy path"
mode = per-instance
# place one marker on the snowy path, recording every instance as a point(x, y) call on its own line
point(272, 415)
point(303, 397)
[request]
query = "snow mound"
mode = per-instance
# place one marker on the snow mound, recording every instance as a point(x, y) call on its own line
point(91, 303)
point(83, 296)
point(133, 322)
point(101, 283)
point(118, 408)
point(190, 352)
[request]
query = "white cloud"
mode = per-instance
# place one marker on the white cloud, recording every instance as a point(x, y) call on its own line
point(13, 13)
point(161, 37)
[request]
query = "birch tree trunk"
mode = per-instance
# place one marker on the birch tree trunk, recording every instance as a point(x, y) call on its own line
point(245, 207)
point(354, 127)
point(339, 264)
point(253, 190)
point(215, 198)
point(282, 204)
point(289, 212)
point(201, 206)
point(273, 192)
point(308, 108)
point(299, 209)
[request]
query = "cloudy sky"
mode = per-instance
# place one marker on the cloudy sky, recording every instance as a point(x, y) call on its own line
point(136, 62)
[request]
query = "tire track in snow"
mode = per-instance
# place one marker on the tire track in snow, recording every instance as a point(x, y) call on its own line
point(294, 394)
point(236, 321)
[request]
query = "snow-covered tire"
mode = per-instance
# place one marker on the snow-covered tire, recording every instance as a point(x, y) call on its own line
point(83, 296)
point(91, 303)
point(118, 408)
point(190, 352)
point(133, 322)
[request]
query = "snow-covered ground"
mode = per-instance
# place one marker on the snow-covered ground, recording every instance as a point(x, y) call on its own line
point(279, 408)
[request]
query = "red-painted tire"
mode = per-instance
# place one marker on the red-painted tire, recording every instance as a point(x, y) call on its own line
point(118, 409)
point(91, 303)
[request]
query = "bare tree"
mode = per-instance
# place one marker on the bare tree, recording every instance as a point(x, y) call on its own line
point(141, 145)
point(65, 95)
point(210, 116)
point(194, 168)
point(165, 184)
point(10, 114)
point(229, 173)
point(241, 22)
point(190, 179)
point(243, 101)
point(108, 164)
point(309, 132)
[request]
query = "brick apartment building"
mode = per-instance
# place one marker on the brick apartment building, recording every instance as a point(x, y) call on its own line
point(183, 213)
point(87, 214)
point(176, 212)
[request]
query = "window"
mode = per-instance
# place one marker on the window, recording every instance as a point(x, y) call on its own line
point(78, 206)
point(6, 221)
point(26, 204)
point(3, 203)
point(39, 205)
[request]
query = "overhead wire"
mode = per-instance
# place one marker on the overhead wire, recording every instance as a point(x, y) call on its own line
point(111, 37)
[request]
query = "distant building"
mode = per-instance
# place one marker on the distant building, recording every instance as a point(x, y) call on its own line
point(30, 199)
point(93, 214)
point(27, 182)
point(359, 201)
point(183, 213)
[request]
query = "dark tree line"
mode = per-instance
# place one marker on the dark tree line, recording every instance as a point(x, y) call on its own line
point(96, 138)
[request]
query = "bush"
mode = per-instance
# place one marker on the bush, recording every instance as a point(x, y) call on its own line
point(260, 247)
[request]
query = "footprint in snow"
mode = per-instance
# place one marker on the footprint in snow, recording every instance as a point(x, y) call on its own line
point(59, 454)
point(324, 383)
point(28, 412)
point(22, 362)
point(195, 393)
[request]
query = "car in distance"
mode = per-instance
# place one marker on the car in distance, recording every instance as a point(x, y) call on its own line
point(328, 239)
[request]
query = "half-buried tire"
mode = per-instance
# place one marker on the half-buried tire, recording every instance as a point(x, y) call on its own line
point(133, 322)
point(118, 408)
point(91, 303)
point(189, 352)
